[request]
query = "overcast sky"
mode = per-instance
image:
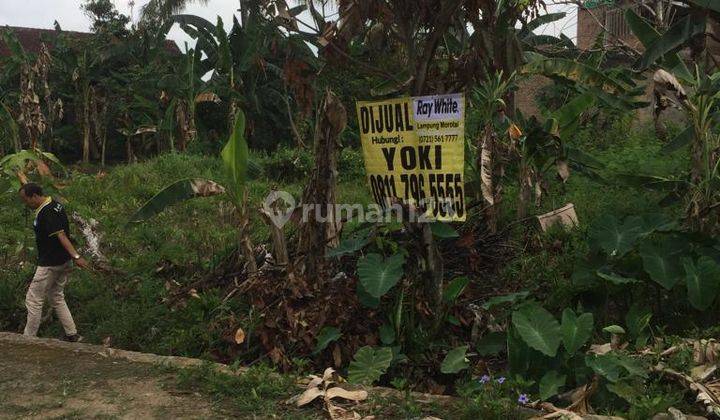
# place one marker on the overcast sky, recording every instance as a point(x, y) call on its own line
point(42, 14)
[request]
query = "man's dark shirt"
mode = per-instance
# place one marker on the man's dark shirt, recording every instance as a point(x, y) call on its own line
point(49, 222)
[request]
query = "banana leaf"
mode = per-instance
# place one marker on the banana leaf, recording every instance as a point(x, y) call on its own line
point(235, 157)
point(647, 35)
point(682, 139)
point(174, 193)
point(571, 70)
point(571, 111)
point(539, 21)
point(713, 5)
point(678, 34)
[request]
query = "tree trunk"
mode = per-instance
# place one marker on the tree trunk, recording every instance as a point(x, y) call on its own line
point(86, 124)
point(245, 244)
point(486, 164)
point(322, 229)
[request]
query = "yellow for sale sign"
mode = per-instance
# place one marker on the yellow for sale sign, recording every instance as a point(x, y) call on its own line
point(414, 150)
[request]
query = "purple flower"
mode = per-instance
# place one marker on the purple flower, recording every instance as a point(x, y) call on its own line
point(523, 399)
point(484, 379)
point(500, 380)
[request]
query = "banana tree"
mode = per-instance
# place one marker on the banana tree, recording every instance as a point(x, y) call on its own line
point(543, 147)
point(16, 167)
point(249, 69)
point(235, 157)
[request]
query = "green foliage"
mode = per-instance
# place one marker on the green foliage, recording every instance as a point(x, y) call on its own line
point(615, 366)
point(615, 238)
point(172, 194)
point(369, 364)
point(378, 275)
point(491, 344)
point(538, 328)
point(326, 336)
point(255, 390)
point(677, 35)
point(499, 300)
point(455, 360)
point(550, 384)
point(576, 331)
point(614, 329)
point(703, 281)
point(349, 246)
point(443, 230)
point(235, 156)
point(661, 262)
point(649, 36)
point(455, 289)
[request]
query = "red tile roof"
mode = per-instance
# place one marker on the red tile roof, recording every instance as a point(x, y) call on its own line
point(32, 38)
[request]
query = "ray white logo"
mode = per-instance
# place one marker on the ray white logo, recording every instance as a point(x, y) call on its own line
point(278, 207)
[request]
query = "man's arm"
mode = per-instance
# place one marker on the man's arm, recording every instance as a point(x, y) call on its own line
point(65, 242)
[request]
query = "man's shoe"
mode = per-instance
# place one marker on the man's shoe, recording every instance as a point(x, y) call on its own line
point(75, 338)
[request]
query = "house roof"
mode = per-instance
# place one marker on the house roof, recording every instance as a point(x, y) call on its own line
point(32, 38)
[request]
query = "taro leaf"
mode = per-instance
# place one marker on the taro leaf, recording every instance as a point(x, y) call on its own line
point(455, 289)
point(657, 222)
point(660, 261)
point(703, 281)
point(613, 366)
point(585, 270)
point(387, 334)
point(379, 275)
point(491, 344)
point(538, 328)
point(518, 353)
point(614, 278)
point(235, 157)
point(614, 238)
point(576, 330)
point(632, 366)
point(326, 336)
point(347, 247)
point(443, 230)
point(369, 364)
point(550, 384)
point(604, 365)
point(637, 319)
point(365, 298)
point(509, 298)
point(176, 192)
point(629, 391)
point(455, 361)
point(614, 329)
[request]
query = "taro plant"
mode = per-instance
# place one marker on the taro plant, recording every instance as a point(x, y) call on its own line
point(556, 354)
point(641, 251)
point(699, 187)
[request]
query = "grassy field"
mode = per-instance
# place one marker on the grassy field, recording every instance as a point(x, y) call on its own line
point(139, 309)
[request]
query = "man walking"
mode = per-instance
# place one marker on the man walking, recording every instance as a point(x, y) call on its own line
point(55, 251)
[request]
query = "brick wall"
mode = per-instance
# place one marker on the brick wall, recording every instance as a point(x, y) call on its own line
point(588, 28)
point(528, 90)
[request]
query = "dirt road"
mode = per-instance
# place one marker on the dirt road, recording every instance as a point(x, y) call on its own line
point(49, 379)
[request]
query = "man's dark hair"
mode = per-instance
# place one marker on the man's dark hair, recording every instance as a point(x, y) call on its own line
point(31, 189)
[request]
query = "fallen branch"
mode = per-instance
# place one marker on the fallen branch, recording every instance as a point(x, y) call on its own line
point(707, 394)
